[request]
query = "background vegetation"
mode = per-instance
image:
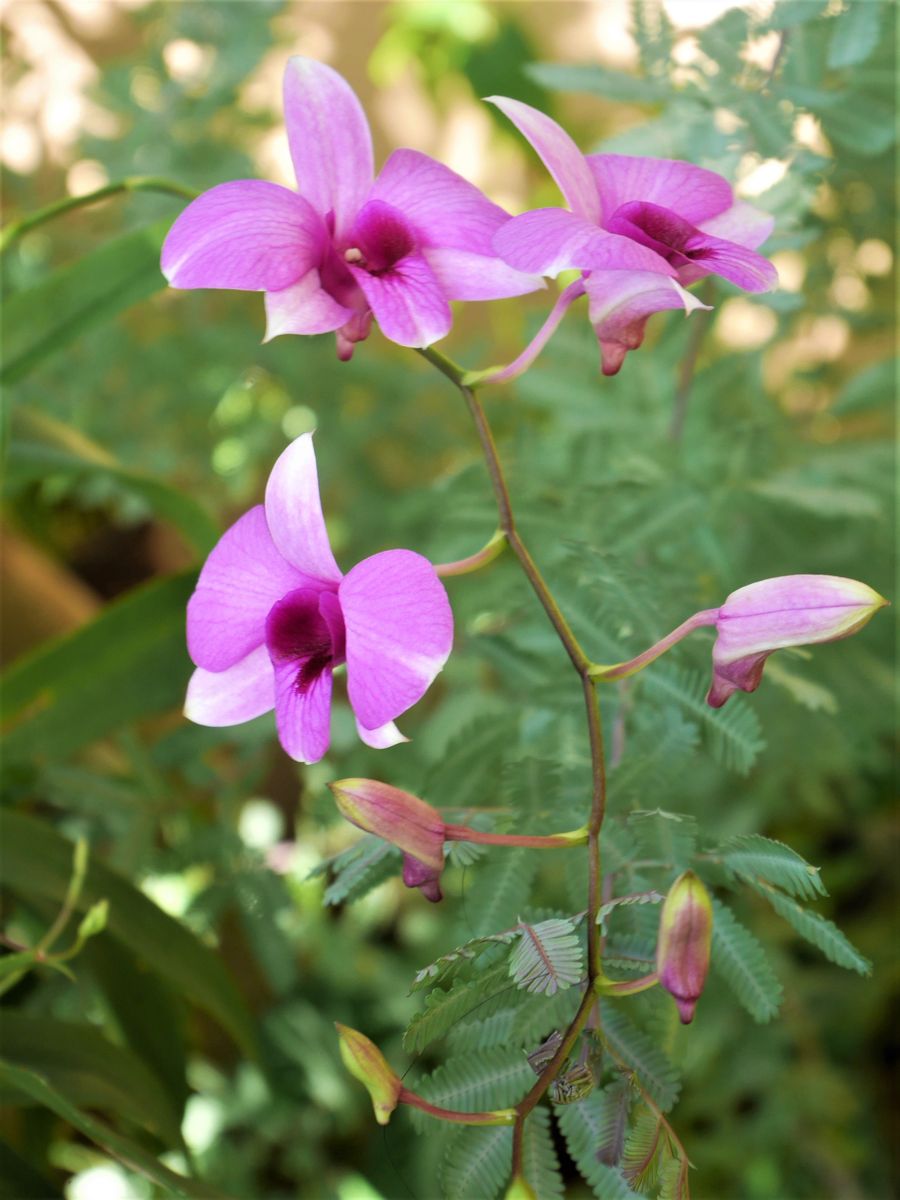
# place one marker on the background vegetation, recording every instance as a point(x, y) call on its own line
point(195, 1031)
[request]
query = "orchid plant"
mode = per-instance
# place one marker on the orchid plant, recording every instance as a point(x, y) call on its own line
point(273, 618)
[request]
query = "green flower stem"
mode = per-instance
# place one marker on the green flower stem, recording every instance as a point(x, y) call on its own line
point(583, 666)
point(624, 987)
point(464, 566)
point(133, 183)
point(607, 674)
point(551, 841)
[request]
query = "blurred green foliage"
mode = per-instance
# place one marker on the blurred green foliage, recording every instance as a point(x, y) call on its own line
point(746, 445)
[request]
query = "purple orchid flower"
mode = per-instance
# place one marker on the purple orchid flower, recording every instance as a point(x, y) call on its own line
point(640, 229)
point(273, 615)
point(348, 248)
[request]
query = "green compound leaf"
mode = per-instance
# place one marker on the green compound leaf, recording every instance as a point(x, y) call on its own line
point(485, 994)
point(823, 933)
point(501, 888)
point(741, 961)
point(547, 958)
point(540, 1166)
point(735, 734)
point(130, 1154)
point(667, 837)
point(476, 1163)
point(751, 855)
point(359, 869)
point(599, 81)
point(129, 662)
point(586, 1127)
point(441, 970)
point(634, 1049)
point(62, 307)
point(37, 862)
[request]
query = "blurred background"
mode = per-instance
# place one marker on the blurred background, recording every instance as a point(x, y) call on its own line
point(139, 422)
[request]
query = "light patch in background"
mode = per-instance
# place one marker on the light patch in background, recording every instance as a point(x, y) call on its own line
point(808, 132)
point(742, 325)
point(610, 36)
point(202, 1124)
point(761, 52)
point(20, 147)
point(756, 175)
point(791, 268)
point(107, 1182)
point(354, 1187)
point(260, 824)
point(188, 62)
point(849, 292)
point(874, 257)
point(694, 14)
point(84, 176)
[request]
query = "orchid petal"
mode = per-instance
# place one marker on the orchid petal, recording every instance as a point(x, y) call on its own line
point(549, 240)
point(558, 152)
point(407, 300)
point(240, 581)
point(248, 235)
point(304, 307)
point(303, 717)
point(462, 275)
point(443, 208)
point(329, 138)
point(692, 192)
point(294, 512)
point(399, 633)
point(620, 303)
point(742, 223)
point(382, 738)
point(240, 693)
point(743, 267)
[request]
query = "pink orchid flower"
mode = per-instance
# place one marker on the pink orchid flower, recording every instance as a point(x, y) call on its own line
point(348, 247)
point(273, 615)
point(640, 229)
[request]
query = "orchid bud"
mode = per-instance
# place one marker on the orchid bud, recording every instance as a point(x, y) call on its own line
point(683, 945)
point(791, 610)
point(401, 818)
point(520, 1189)
point(365, 1062)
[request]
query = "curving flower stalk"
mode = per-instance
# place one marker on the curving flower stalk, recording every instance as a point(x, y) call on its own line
point(756, 620)
point(417, 829)
point(365, 1062)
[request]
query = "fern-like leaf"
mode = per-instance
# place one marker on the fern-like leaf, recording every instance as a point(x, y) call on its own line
point(583, 1127)
point(752, 855)
point(475, 1082)
point(441, 970)
point(741, 961)
point(476, 1163)
point(817, 929)
point(540, 1166)
point(633, 1048)
point(664, 836)
point(734, 731)
point(501, 889)
point(673, 1180)
point(547, 958)
point(359, 869)
point(644, 1147)
point(484, 994)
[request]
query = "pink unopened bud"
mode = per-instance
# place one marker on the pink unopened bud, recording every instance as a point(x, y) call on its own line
point(365, 1062)
point(683, 944)
point(792, 610)
point(403, 819)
